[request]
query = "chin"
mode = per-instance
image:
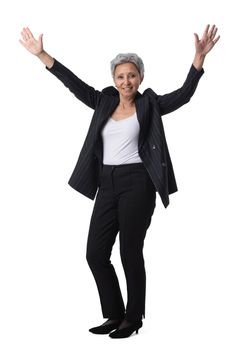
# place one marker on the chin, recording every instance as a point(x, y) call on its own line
point(131, 93)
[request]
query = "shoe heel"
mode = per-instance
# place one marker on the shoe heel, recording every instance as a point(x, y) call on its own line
point(136, 331)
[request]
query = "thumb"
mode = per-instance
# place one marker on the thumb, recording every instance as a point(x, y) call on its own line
point(41, 38)
point(196, 37)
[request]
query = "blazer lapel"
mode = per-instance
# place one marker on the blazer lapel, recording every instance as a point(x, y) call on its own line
point(142, 109)
point(104, 112)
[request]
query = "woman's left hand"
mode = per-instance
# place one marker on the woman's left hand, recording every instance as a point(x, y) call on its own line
point(207, 41)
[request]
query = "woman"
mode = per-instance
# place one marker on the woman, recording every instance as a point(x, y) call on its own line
point(126, 157)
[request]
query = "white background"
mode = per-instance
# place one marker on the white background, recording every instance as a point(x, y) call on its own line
point(48, 296)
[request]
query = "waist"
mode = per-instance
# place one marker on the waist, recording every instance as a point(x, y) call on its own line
point(126, 165)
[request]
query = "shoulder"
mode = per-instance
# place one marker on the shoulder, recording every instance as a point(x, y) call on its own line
point(110, 91)
point(150, 93)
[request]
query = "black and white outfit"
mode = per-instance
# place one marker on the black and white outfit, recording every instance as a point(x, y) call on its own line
point(128, 162)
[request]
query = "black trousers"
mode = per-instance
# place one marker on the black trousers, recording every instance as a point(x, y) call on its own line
point(124, 203)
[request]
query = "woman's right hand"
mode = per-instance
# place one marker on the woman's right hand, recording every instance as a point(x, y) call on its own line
point(30, 43)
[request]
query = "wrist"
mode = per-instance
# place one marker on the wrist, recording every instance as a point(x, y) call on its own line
point(46, 58)
point(198, 60)
point(200, 56)
point(40, 54)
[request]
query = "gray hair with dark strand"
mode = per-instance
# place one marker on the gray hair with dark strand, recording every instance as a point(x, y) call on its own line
point(125, 58)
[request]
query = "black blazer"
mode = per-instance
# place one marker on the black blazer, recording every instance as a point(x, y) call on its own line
point(152, 145)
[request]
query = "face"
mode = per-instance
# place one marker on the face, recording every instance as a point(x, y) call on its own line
point(127, 79)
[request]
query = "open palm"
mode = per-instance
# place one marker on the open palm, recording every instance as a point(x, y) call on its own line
point(207, 41)
point(30, 43)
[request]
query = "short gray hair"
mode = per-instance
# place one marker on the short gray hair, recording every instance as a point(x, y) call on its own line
point(125, 58)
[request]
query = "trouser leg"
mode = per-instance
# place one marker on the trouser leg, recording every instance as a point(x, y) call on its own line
point(102, 234)
point(135, 209)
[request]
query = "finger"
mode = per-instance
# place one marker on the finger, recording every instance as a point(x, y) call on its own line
point(211, 31)
point(22, 42)
point(25, 33)
point(214, 32)
point(29, 33)
point(206, 30)
point(215, 40)
point(24, 36)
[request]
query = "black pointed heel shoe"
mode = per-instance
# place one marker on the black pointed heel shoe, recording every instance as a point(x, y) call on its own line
point(126, 331)
point(105, 329)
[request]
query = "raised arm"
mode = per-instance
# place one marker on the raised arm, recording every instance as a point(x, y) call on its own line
point(177, 98)
point(171, 101)
point(84, 92)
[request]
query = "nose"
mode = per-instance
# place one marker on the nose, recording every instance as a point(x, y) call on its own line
point(126, 81)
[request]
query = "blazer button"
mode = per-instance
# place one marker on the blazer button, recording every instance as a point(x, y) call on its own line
point(163, 164)
point(154, 147)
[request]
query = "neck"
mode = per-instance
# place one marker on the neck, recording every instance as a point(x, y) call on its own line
point(126, 102)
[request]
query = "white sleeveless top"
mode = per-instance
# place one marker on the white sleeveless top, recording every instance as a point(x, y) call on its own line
point(120, 141)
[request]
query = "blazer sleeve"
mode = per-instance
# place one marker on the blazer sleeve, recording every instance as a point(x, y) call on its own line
point(84, 92)
point(173, 100)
